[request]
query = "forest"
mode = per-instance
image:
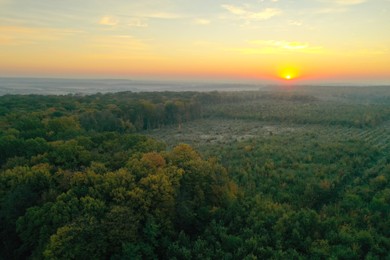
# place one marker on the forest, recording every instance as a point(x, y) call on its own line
point(298, 173)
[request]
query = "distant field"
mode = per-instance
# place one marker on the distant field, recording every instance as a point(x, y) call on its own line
point(208, 132)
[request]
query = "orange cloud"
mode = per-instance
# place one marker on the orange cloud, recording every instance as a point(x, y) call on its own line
point(108, 20)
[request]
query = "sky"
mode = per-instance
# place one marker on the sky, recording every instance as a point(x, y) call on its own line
point(318, 40)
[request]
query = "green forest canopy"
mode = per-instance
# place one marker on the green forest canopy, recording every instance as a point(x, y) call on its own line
point(79, 180)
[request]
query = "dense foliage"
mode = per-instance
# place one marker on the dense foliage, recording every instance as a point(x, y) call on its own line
point(79, 181)
point(299, 108)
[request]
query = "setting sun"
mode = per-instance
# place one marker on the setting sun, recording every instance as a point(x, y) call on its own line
point(288, 72)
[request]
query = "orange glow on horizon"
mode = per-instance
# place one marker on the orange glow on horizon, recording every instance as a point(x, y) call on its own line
point(218, 67)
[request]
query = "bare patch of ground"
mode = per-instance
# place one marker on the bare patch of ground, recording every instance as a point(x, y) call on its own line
point(206, 134)
point(218, 131)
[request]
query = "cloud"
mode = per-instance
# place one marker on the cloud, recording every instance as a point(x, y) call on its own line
point(161, 15)
point(20, 35)
point(272, 47)
point(201, 21)
point(265, 14)
point(247, 15)
point(282, 44)
point(292, 45)
point(137, 22)
point(295, 22)
point(337, 6)
point(108, 20)
point(331, 10)
point(349, 2)
point(234, 9)
point(343, 2)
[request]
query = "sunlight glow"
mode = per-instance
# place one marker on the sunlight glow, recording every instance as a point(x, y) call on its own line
point(288, 72)
point(178, 40)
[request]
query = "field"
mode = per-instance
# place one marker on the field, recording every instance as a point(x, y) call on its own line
point(205, 133)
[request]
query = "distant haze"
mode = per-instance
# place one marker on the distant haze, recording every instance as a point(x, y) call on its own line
point(58, 86)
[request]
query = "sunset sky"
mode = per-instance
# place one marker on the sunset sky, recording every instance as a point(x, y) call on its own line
point(345, 40)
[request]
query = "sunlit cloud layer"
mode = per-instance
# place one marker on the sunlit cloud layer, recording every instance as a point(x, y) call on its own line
point(249, 15)
point(107, 20)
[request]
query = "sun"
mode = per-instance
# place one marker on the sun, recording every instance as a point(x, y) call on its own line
point(288, 72)
point(288, 76)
